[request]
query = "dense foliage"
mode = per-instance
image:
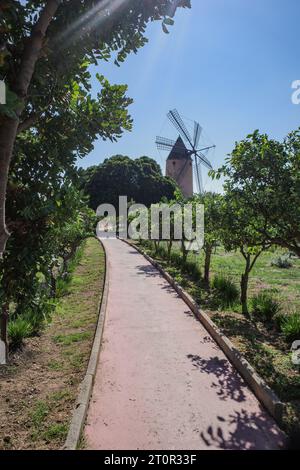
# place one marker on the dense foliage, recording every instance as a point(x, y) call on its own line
point(263, 176)
point(46, 50)
point(50, 119)
point(140, 180)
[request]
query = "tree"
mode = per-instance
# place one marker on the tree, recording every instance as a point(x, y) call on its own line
point(46, 49)
point(242, 230)
point(46, 214)
point(213, 223)
point(265, 175)
point(140, 180)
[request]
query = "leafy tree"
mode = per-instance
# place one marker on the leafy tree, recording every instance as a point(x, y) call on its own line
point(140, 180)
point(265, 175)
point(50, 119)
point(213, 222)
point(43, 204)
point(46, 50)
point(241, 230)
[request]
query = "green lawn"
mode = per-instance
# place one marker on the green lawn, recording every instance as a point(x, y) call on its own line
point(285, 283)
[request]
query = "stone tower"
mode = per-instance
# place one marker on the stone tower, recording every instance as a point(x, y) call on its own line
point(180, 167)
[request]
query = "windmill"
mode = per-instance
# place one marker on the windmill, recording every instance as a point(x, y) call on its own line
point(185, 158)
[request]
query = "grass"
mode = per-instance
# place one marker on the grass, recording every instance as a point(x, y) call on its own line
point(264, 306)
point(261, 343)
point(18, 330)
point(72, 338)
point(43, 399)
point(291, 327)
point(284, 282)
point(226, 289)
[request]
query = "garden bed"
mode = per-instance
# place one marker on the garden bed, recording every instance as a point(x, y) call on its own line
point(40, 385)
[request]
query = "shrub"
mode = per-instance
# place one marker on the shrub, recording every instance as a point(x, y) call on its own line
point(264, 306)
point(291, 327)
point(18, 330)
point(227, 290)
point(279, 319)
point(176, 259)
point(36, 321)
point(192, 269)
point(282, 262)
point(161, 252)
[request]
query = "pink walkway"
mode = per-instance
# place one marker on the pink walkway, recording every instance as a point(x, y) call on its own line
point(162, 382)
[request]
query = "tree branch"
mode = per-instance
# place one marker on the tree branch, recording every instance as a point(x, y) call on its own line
point(9, 127)
point(33, 48)
point(23, 126)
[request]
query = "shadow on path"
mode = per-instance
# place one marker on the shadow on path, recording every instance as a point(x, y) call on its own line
point(246, 426)
point(151, 271)
point(228, 383)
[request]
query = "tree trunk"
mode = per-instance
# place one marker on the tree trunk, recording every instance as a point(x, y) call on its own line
point(52, 284)
point(156, 245)
point(8, 126)
point(8, 131)
point(169, 249)
point(184, 252)
point(244, 286)
point(208, 253)
point(3, 323)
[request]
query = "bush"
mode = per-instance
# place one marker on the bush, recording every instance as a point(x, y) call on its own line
point(228, 291)
point(192, 269)
point(279, 319)
point(36, 321)
point(290, 327)
point(282, 262)
point(176, 259)
point(264, 306)
point(161, 252)
point(18, 330)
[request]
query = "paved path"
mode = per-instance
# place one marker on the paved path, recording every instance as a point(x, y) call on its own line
point(162, 382)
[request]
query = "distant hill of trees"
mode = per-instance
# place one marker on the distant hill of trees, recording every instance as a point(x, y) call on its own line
point(141, 180)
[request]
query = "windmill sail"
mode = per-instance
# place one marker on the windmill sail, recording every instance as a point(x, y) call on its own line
point(180, 164)
point(180, 126)
point(197, 134)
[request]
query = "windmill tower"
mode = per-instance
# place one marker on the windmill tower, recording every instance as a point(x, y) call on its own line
point(181, 166)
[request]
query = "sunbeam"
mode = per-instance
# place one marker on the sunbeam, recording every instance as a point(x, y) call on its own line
point(87, 22)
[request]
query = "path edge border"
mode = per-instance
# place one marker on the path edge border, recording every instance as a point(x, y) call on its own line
point(259, 387)
point(86, 387)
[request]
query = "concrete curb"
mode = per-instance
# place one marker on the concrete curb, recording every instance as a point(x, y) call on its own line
point(86, 387)
point(260, 389)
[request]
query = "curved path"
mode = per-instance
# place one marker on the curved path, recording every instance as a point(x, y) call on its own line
point(162, 382)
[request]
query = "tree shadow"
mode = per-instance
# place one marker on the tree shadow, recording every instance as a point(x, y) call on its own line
point(228, 383)
point(251, 431)
point(151, 271)
point(133, 252)
point(148, 270)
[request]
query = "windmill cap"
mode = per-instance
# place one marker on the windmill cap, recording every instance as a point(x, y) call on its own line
point(179, 151)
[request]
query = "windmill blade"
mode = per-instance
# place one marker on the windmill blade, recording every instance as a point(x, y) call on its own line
point(199, 177)
point(164, 144)
point(164, 141)
point(168, 144)
point(204, 160)
point(180, 126)
point(197, 133)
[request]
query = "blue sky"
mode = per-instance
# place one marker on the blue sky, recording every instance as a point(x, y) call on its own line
point(227, 63)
